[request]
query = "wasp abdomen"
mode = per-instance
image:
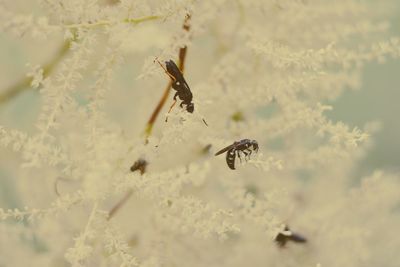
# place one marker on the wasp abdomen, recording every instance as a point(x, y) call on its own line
point(230, 158)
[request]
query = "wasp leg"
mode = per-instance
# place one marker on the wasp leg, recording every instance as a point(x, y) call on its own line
point(173, 104)
point(246, 154)
point(240, 158)
point(169, 74)
point(250, 152)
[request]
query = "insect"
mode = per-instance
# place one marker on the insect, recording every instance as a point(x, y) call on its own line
point(180, 85)
point(286, 235)
point(245, 146)
point(139, 165)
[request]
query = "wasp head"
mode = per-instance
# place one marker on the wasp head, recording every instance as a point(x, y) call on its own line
point(254, 144)
point(190, 107)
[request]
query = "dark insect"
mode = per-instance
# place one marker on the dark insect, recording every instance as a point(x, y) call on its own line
point(139, 165)
point(245, 146)
point(286, 235)
point(179, 84)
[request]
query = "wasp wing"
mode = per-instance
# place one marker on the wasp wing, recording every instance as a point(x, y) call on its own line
point(179, 84)
point(185, 85)
point(173, 69)
point(224, 149)
point(298, 238)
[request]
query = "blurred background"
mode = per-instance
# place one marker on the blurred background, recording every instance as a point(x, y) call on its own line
point(376, 101)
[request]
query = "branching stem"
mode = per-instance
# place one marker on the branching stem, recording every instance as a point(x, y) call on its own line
point(24, 84)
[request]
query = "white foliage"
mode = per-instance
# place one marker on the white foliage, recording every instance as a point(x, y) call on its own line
point(263, 70)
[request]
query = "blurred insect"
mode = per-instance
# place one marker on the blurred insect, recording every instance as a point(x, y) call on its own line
point(206, 149)
point(179, 84)
point(139, 165)
point(286, 235)
point(245, 146)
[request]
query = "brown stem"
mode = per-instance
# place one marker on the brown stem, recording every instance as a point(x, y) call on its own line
point(164, 97)
point(154, 115)
point(183, 50)
point(139, 165)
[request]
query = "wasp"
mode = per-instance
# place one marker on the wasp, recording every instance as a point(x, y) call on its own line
point(286, 235)
point(245, 146)
point(180, 85)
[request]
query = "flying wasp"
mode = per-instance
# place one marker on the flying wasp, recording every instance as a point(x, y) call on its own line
point(286, 235)
point(180, 85)
point(245, 146)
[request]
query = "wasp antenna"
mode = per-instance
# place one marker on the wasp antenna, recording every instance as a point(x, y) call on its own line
point(166, 71)
point(158, 61)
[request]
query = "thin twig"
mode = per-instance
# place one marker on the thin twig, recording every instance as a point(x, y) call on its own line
point(139, 165)
point(107, 22)
point(164, 97)
point(122, 202)
point(25, 83)
point(154, 115)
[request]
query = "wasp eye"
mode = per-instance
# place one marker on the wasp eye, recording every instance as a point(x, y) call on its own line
point(190, 108)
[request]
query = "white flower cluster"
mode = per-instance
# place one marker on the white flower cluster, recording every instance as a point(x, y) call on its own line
point(262, 70)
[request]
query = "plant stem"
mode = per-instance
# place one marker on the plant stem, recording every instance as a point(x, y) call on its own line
point(116, 208)
point(154, 115)
point(164, 97)
point(107, 22)
point(24, 84)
